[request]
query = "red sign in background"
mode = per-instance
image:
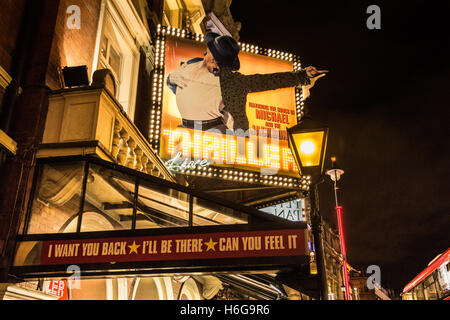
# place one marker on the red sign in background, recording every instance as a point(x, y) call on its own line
point(244, 244)
point(58, 288)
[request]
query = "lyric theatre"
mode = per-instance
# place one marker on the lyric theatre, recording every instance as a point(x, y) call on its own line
point(107, 196)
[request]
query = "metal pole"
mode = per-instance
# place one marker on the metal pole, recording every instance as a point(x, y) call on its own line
point(335, 187)
point(83, 195)
point(344, 253)
point(341, 236)
point(316, 221)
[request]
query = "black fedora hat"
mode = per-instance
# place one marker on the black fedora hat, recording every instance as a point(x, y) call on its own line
point(224, 49)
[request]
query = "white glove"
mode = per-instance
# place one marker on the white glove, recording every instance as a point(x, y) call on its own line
point(312, 81)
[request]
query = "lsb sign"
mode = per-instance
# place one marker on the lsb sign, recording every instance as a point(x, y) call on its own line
point(58, 288)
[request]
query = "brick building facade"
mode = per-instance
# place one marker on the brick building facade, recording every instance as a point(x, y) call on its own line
point(42, 38)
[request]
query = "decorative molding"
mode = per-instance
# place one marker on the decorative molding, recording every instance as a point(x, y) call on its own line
point(106, 131)
point(221, 9)
point(14, 292)
point(215, 25)
point(125, 12)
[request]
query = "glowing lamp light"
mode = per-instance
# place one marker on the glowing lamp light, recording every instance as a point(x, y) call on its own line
point(307, 147)
point(307, 141)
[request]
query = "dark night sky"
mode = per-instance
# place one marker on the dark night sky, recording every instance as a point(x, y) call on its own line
point(386, 103)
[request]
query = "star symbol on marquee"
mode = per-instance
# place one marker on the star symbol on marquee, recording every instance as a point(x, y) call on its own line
point(134, 247)
point(211, 245)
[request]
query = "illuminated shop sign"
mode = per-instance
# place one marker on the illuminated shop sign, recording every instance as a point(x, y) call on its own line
point(223, 149)
point(261, 151)
point(290, 210)
point(57, 288)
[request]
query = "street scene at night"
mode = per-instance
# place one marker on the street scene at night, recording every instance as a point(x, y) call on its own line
point(247, 156)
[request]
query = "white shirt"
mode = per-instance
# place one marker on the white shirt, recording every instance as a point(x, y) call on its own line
point(198, 93)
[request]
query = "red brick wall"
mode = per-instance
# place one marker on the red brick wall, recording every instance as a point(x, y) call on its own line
point(73, 47)
point(27, 122)
point(69, 47)
point(11, 12)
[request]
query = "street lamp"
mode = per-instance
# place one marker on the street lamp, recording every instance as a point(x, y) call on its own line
point(308, 141)
point(335, 174)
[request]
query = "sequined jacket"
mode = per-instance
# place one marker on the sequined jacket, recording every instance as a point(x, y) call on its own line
point(235, 86)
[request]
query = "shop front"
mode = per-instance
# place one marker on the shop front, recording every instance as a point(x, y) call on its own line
point(97, 230)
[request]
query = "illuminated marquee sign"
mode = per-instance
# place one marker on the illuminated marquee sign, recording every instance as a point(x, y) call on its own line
point(263, 155)
point(178, 247)
point(290, 210)
point(163, 250)
point(223, 149)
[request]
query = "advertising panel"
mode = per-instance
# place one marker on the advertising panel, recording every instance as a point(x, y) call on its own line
point(215, 249)
point(57, 288)
point(179, 115)
point(289, 210)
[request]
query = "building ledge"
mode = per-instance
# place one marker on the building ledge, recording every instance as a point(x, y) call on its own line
point(15, 292)
point(89, 121)
point(7, 142)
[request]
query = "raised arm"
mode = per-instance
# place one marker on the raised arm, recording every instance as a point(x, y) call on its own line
point(272, 81)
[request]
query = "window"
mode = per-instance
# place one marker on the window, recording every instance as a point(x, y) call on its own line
point(118, 50)
point(84, 196)
point(442, 283)
point(111, 59)
point(418, 292)
point(56, 199)
point(429, 288)
point(108, 203)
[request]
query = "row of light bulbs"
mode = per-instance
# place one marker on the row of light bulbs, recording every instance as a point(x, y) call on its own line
point(171, 31)
point(280, 55)
point(155, 113)
point(249, 47)
point(182, 33)
point(297, 65)
point(299, 102)
point(160, 50)
point(285, 181)
point(155, 119)
point(272, 203)
point(249, 177)
point(158, 80)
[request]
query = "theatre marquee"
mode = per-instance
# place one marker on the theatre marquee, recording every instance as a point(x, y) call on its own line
point(259, 156)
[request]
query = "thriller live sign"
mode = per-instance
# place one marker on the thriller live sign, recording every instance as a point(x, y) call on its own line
point(244, 244)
